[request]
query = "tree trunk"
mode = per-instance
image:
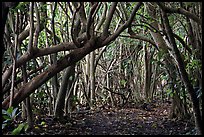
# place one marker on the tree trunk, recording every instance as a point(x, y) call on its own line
point(184, 75)
point(28, 105)
point(147, 72)
point(108, 86)
point(70, 102)
point(5, 9)
point(60, 101)
point(92, 78)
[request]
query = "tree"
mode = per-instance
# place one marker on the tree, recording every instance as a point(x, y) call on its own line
point(128, 48)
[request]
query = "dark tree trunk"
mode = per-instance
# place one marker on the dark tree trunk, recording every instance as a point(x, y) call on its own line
point(5, 9)
point(184, 75)
point(62, 93)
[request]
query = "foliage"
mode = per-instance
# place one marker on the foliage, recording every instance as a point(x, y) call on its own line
point(22, 6)
point(9, 116)
point(20, 128)
point(74, 99)
point(123, 82)
point(123, 63)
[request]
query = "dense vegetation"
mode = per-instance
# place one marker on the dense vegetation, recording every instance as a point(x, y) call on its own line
point(61, 58)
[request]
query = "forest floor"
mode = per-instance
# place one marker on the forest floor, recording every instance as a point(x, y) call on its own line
point(151, 120)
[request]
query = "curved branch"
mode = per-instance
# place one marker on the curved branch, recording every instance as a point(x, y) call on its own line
point(184, 74)
point(52, 70)
point(65, 46)
point(183, 43)
point(180, 11)
point(99, 56)
point(141, 38)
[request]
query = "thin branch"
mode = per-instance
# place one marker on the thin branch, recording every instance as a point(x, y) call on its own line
point(53, 23)
point(99, 56)
point(108, 19)
point(6, 89)
point(72, 28)
point(103, 18)
point(30, 44)
point(124, 26)
point(90, 20)
point(13, 75)
point(135, 36)
point(183, 43)
point(70, 8)
point(37, 30)
point(64, 10)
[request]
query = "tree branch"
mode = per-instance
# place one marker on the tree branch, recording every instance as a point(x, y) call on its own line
point(52, 70)
point(184, 74)
point(180, 11)
point(37, 30)
point(38, 53)
point(30, 44)
point(90, 20)
point(124, 26)
point(103, 18)
point(73, 33)
point(108, 19)
point(135, 36)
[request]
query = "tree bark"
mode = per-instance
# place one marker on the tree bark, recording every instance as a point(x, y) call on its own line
point(184, 75)
point(60, 101)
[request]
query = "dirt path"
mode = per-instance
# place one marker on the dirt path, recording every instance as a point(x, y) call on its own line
point(127, 121)
point(132, 122)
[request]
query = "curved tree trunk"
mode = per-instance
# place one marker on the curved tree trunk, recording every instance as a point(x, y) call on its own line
point(184, 75)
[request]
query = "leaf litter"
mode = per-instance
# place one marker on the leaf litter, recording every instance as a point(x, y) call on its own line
point(115, 121)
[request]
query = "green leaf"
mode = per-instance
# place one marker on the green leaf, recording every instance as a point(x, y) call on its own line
point(4, 125)
point(169, 92)
point(26, 127)
point(4, 112)
point(10, 110)
point(13, 114)
point(17, 130)
point(154, 125)
point(123, 82)
point(43, 123)
point(6, 117)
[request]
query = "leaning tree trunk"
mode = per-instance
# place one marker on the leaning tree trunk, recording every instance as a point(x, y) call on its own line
point(184, 75)
point(162, 44)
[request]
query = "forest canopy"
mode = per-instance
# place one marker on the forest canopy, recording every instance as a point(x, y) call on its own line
point(58, 56)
